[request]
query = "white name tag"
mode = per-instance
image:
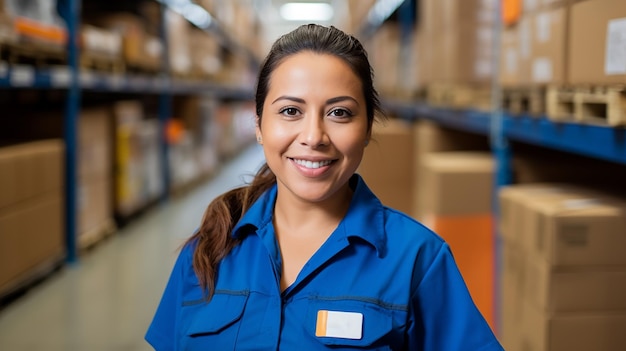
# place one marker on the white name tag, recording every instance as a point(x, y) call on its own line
point(336, 324)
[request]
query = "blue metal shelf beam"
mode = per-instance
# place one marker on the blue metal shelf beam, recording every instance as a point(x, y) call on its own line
point(596, 141)
point(60, 78)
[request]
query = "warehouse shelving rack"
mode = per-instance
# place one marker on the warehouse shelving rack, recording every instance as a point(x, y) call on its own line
point(598, 142)
point(74, 81)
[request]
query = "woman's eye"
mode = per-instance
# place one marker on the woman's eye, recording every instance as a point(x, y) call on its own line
point(339, 112)
point(289, 111)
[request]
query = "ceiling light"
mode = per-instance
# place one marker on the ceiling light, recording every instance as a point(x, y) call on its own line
point(306, 11)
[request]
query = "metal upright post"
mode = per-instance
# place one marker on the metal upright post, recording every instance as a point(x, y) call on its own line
point(165, 105)
point(500, 148)
point(70, 11)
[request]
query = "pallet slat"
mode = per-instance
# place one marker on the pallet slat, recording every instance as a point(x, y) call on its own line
point(593, 104)
point(459, 96)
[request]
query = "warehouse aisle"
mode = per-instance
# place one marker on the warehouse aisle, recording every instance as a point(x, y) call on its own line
point(106, 301)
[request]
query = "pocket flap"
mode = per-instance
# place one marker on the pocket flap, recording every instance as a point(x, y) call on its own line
point(223, 310)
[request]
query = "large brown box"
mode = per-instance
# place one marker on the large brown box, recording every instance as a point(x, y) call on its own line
point(596, 48)
point(31, 234)
point(577, 230)
point(431, 137)
point(511, 282)
point(31, 210)
point(542, 331)
point(549, 50)
point(457, 183)
point(575, 289)
point(30, 170)
point(387, 165)
point(514, 223)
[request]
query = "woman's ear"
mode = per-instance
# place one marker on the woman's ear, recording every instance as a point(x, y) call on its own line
point(257, 130)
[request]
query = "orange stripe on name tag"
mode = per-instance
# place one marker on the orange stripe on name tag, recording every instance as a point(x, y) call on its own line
point(322, 320)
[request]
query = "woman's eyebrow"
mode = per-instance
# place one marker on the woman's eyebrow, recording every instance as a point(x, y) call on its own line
point(290, 98)
point(339, 99)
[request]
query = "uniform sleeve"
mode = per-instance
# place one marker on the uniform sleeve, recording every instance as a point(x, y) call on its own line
point(444, 317)
point(162, 333)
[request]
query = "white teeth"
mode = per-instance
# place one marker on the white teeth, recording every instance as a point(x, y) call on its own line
point(310, 164)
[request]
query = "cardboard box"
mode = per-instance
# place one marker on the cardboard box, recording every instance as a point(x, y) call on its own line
point(458, 183)
point(512, 199)
point(387, 165)
point(431, 137)
point(206, 54)
point(596, 48)
point(510, 60)
point(512, 283)
point(449, 14)
point(579, 289)
point(462, 53)
point(576, 230)
point(543, 331)
point(31, 233)
point(95, 142)
point(456, 190)
point(549, 50)
point(95, 208)
point(30, 170)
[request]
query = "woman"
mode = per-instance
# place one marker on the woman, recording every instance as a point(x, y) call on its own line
point(306, 257)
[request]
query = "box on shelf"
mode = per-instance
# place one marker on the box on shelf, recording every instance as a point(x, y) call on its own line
point(562, 285)
point(549, 50)
point(574, 289)
point(31, 210)
point(137, 158)
point(141, 49)
point(596, 48)
point(206, 55)
point(387, 165)
point(100, 42)
point(456, 190)
point(431, 137)
point(30, 170)
point(542, 331)
point(576, 230)
point(178, 36)
point(384, 50)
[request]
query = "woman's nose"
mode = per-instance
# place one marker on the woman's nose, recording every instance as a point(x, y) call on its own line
point(314, 132)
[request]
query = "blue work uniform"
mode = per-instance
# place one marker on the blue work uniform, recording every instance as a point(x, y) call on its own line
point(381, 281)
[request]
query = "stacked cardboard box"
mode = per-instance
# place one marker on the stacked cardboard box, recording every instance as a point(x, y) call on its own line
point(563, 278)
point(95, 167)
point(455, 194)
point(459, 33)
point(32, 232)
point(94, 164)
point(598, 38)
point(534, 48)
point(137, 158)
point(141, 49)
point(387, 165)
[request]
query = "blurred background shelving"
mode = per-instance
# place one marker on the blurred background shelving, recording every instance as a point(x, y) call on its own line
point(124, 104)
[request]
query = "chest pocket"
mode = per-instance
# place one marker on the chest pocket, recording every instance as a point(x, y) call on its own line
point(214, 325)
point(377, 327)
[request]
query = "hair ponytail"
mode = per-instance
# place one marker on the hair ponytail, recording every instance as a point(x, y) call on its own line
point(214, 239)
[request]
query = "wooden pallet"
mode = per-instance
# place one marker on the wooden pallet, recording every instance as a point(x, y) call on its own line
point(589, 104)
point(525, 100)
point(459, 96)
point(91, 238)
point(102, 63)
point(38, 54)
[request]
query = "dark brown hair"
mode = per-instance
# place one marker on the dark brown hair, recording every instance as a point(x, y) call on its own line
point(214, 238)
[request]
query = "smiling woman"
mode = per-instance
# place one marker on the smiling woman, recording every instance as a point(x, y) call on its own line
point(306, 256)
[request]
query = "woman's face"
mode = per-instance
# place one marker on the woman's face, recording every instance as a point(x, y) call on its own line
point(314, 126)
